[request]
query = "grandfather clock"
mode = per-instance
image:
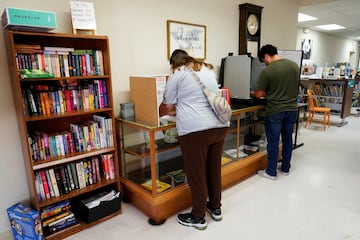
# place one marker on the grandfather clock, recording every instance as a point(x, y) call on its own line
point(249, 29)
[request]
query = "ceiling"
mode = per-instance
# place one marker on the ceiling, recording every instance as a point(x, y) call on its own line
point(341, 12)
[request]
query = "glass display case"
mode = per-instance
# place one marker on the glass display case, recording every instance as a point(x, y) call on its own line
point(152, 176)
point(146, 147)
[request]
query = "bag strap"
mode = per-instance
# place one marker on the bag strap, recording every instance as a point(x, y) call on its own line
point(202, 85)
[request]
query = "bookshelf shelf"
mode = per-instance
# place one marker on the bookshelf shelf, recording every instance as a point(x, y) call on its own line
point(65, 122)
point(67, 159)
point(159, 161)
point(56, 79)
point(77, 193)
point(66, 115)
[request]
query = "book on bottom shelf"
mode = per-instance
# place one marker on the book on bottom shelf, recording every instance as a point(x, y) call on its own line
point(177, 176)
point(53, 220)
point(69, 223)
point(233, 153)
point(57, 217)
point(225, 160)
point(161, 186)
point(54, 209)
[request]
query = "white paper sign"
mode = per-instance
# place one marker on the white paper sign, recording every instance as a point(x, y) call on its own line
point(83, 15)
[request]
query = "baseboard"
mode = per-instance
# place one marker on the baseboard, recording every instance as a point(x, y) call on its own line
point(6, 235)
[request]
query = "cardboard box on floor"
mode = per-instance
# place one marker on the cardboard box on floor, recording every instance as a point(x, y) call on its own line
point(146, 92)
point(25, 222)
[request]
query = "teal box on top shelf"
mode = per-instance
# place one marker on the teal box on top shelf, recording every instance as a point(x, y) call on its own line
point(26, 19)
point(25, 222)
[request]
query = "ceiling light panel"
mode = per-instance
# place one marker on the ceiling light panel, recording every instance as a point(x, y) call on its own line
point(330, 27)
point(304, 17)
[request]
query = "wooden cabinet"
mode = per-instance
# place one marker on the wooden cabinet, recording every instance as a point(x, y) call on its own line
point(152, 170)
point(65, 119)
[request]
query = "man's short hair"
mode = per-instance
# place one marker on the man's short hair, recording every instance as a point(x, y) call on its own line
point(267, 49)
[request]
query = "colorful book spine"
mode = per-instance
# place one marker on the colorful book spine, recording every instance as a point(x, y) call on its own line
point(54, 182)
point(48, 179)
point(54, 209)
point(45, 184)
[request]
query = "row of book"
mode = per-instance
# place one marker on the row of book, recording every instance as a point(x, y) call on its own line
point(87, 136)
point(60, 180)
point(329, 90)
point(61, 61)
point(42, 100)
point(57, 217)
point(326, 93)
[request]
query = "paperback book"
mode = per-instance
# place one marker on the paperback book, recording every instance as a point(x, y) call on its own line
point(161, 186)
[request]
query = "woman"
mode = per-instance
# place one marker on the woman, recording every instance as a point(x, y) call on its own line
point(201, 135)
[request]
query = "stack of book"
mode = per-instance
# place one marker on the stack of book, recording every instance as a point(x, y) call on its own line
point(57, 217)
point(177, 176)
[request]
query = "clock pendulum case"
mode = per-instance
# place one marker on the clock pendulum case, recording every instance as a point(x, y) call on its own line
point(249, 29)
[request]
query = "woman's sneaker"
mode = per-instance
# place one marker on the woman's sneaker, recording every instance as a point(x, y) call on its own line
point(189, 220)
point(216, 214)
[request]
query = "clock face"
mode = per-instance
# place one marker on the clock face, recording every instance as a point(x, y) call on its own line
point(252, 24)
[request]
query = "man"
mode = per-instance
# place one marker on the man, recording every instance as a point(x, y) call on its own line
point(278, 83)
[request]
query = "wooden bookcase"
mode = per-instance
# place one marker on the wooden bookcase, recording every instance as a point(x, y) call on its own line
point(40, 121)
point(146, 157)
point(335, 93)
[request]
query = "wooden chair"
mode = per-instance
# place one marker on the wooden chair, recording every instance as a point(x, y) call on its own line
point(314, 108)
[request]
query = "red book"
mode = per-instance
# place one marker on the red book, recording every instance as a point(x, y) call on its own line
point(45, 184)
point(111, 166)
point(83, 65)
point(42, 60)
point(70, 141)
point(68, 101)
point(105, 166)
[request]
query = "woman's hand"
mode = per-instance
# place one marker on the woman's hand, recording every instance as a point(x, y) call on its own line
point(167, 109)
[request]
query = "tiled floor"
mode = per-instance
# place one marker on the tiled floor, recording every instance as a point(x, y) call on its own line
point(320, 199)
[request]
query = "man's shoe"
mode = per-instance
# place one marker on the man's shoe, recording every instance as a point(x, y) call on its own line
point(263, 173)
point(283, 173)
point(189, 220)
point(216, 214)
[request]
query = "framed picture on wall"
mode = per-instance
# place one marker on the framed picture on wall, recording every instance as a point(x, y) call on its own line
point(306, 46)
point(187, 36)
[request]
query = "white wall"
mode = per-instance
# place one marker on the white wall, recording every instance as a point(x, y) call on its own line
point(328, 50)
point(137, 32)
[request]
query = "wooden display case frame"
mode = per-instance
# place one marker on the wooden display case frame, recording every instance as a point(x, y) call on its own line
point(159, 206)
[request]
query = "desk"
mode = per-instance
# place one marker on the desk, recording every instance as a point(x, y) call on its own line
point(299, 106)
